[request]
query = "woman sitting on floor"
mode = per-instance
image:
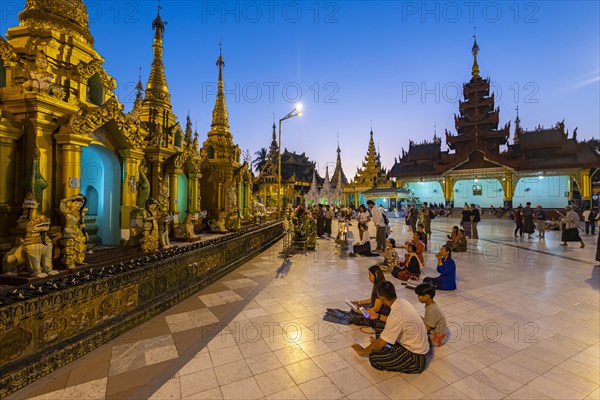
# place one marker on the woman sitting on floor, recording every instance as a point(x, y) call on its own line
point(459, 244)
point(410, 267)
point(363, 247)
point(453, 234)
point(419, 246)
point(391, 259)
point(374, 304)
point(447, 269)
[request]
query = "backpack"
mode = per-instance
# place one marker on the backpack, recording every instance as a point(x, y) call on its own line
point(385, 218)
point(431, 214)
point(592, 216)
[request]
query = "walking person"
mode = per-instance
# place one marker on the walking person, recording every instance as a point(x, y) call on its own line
point(570, 225)
point(475, 219)
point(519, 221)
point(379, 223)
point(589, 216)
point(465, 222)
point(540, 220)
point(527, 213)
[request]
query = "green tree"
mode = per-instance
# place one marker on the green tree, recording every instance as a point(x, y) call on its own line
point(260, 160)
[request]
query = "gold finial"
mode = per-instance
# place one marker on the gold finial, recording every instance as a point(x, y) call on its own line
point(475, 51)
point(157, 83)
point(220, 119)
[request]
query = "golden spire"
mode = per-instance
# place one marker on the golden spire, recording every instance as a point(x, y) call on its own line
point(220, 118)
point(157, 83)
point(475, 51)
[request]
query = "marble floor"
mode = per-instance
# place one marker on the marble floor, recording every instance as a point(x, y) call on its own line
point(524, 321)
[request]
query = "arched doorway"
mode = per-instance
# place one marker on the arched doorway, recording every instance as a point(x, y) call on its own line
point(101, 173)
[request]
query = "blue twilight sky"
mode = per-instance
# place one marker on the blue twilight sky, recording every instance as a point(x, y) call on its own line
point(395, 66)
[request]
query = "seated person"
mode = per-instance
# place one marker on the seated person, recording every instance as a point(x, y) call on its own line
point(434, 319)
point(411, 266)
point(400, 344)
point(459, 244)
point(363, 247)
point(453, 234)
point(422, 235)
point(374, 305)
point(419, 245)
point(391, 259)
point(447, 269)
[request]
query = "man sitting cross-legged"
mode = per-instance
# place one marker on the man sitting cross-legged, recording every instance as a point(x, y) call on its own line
point(401, 343)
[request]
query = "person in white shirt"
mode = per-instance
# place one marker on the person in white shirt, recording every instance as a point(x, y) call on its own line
point(363, 246)
point(401, 344)
point(379, 225)
point(570, 231)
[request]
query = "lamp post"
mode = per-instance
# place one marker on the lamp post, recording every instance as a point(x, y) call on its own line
point(296, 112)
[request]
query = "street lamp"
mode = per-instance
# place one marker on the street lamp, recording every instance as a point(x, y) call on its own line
point(296, 112)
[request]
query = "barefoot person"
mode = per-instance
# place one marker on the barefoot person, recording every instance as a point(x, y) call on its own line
point(401, 344)
point(570, 223)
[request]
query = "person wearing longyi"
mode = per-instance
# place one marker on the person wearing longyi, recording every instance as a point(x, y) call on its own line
point(401, 344)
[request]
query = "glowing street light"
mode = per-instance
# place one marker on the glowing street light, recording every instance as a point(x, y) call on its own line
point(296, 112)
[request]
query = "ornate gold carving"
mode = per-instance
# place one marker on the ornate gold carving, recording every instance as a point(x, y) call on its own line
point(150, 235)
point(13, 343)
point(85, 122)
point(40, 80)
point(74, 237)
point(86, 71)
point(8, 53)
point(68, 16)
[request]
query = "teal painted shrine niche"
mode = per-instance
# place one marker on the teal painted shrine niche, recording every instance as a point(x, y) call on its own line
point(182, 196)
point(101, 183)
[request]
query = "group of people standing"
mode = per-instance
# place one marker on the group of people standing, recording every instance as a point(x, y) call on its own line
point(421, 216)
point(324, 220)
point(528, 219)
point(470, 218)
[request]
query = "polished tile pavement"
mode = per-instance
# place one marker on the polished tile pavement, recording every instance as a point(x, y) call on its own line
point(524, 320)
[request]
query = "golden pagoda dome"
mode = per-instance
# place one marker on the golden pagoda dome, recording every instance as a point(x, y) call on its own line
point(68, 16)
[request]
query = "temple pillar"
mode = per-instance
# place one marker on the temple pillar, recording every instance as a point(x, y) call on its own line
point(509, 189)
point(70, 146)
point(247, 211)
point(71, 166)
point(585, 187)
point(193, 191)
point(129, 194)
point(173, 193)
point(8, 155)
point(8, 169)
point(570, 189)
point(219, 196)
point(448, 190)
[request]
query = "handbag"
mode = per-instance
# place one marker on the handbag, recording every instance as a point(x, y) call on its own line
point(413, 282)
